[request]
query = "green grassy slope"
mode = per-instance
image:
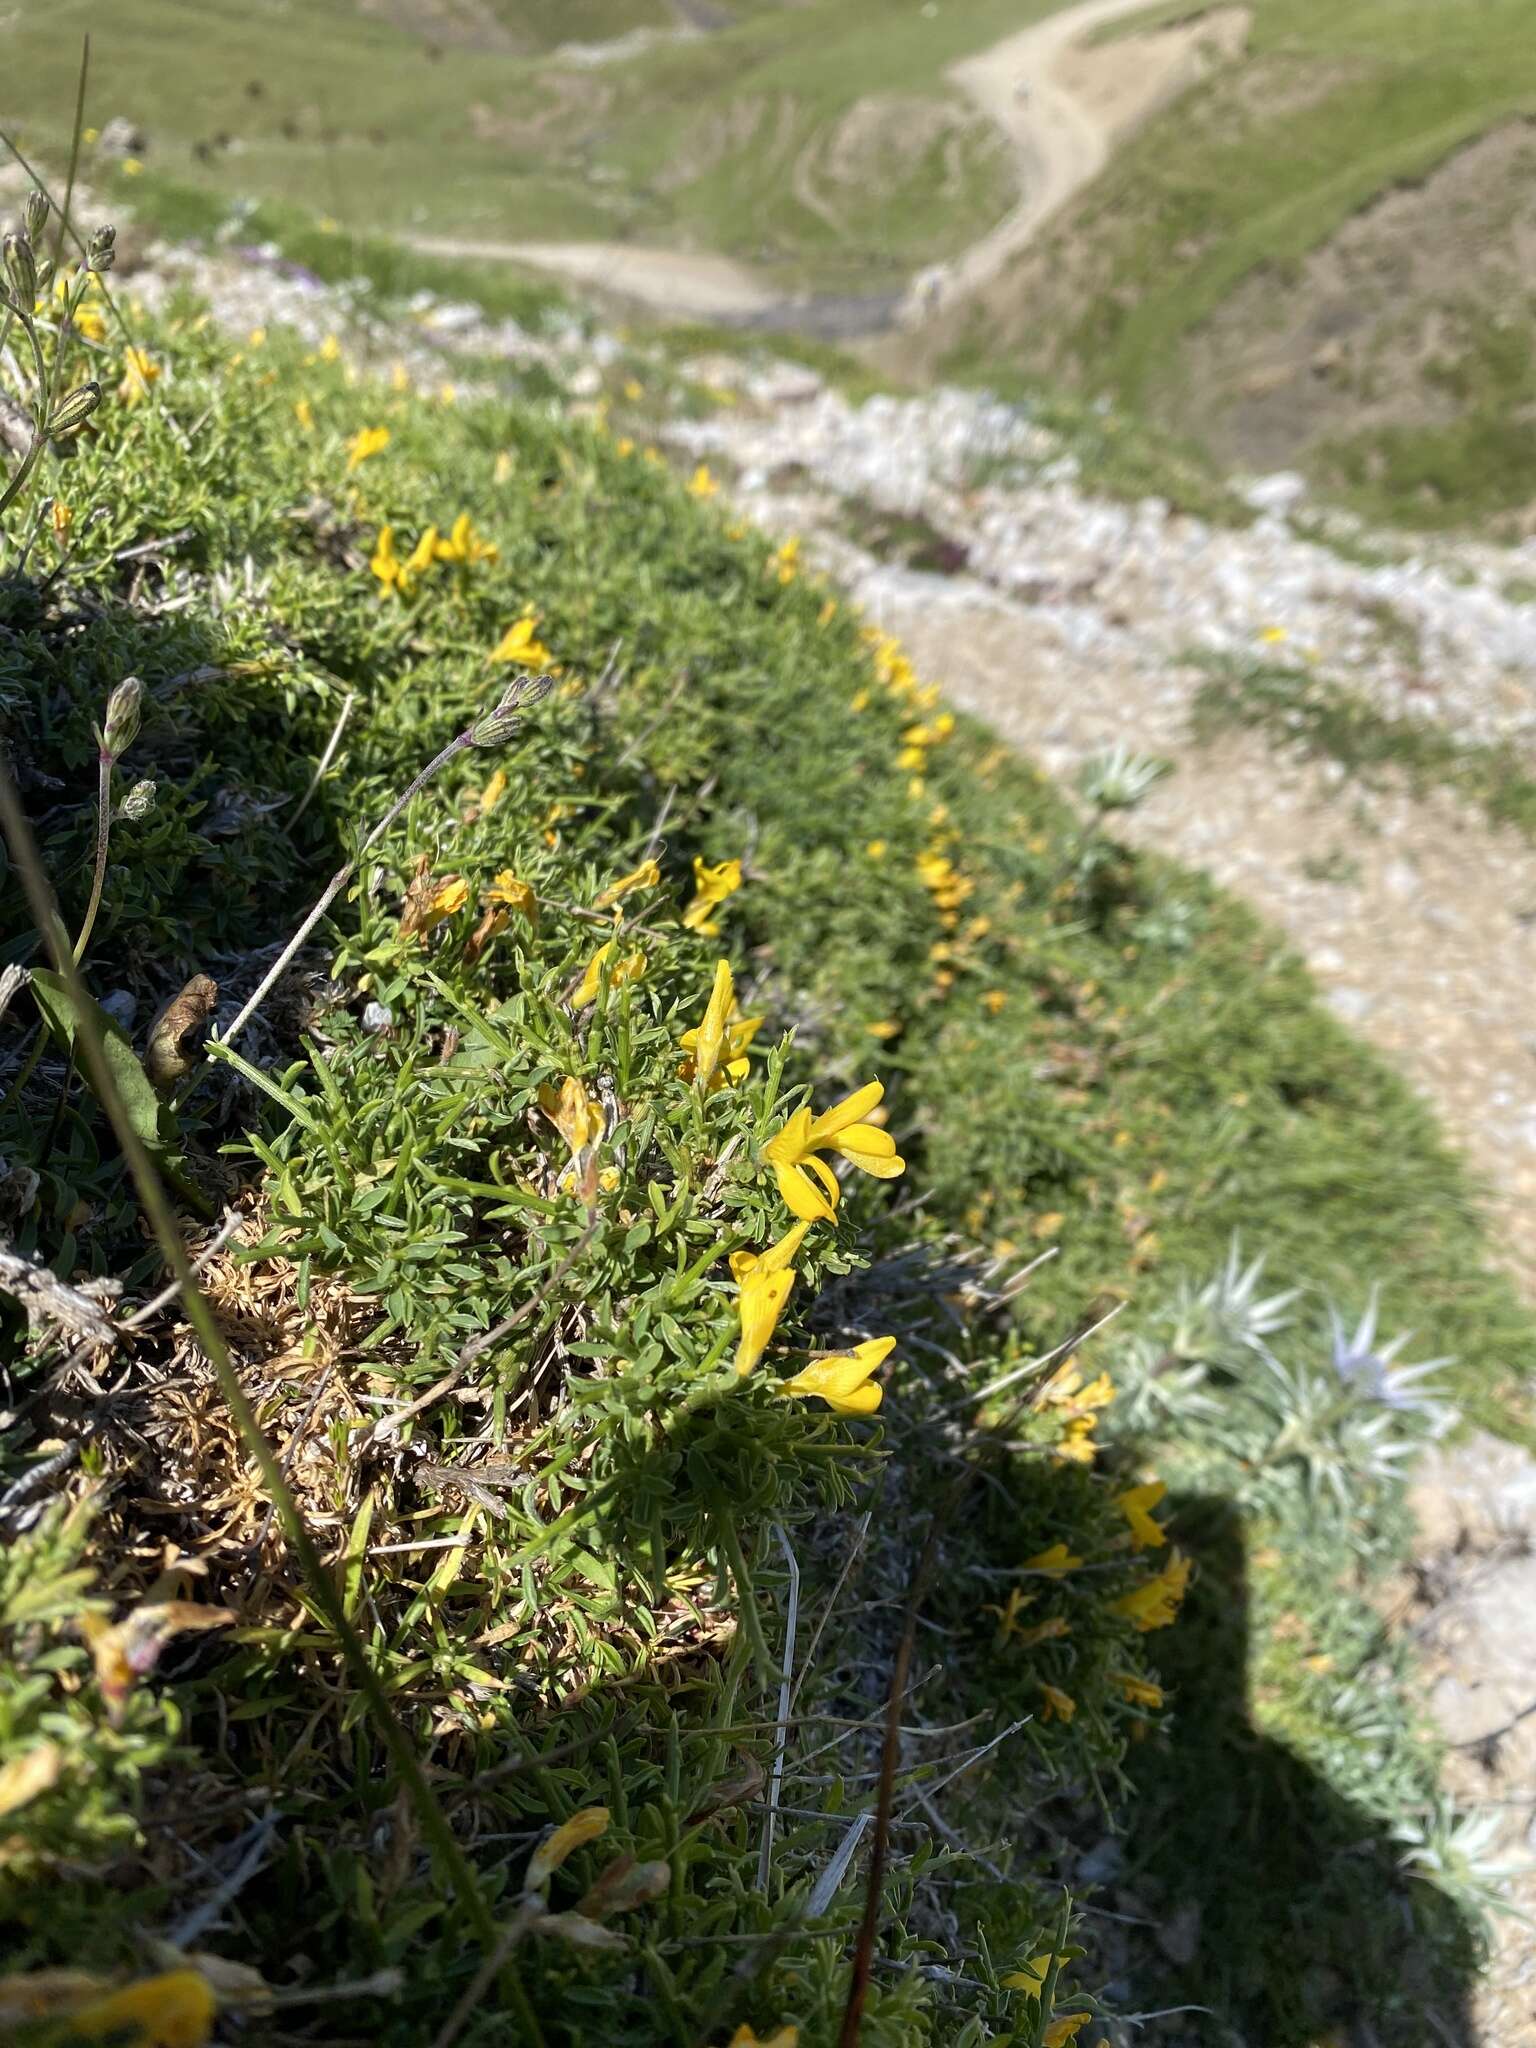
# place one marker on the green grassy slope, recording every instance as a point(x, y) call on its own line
point(1081, 1047)
point(820, 140)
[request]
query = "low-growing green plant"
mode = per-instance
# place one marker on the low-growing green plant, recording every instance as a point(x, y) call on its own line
point(500, 1242)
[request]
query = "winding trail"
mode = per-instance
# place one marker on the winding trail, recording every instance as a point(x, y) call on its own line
point(1059, 142)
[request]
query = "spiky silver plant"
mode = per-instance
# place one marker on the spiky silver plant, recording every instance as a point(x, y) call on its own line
point(1227, 1313)
point(1369, 1368)
point(1455, 1851)
point(1119, 779)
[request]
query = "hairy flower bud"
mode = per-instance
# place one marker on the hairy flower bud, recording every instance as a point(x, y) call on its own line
point(122, 726)
point(21, 270)
point(139, 801)
point(72, 411)
point(35, 213)
point(45, 269)
point(101, 249)
point(521, 694)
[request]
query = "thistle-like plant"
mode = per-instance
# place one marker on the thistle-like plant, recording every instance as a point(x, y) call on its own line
point(1455, 1851)
point(1120, 779)
point(1370, 1368)
point(1227, 1311)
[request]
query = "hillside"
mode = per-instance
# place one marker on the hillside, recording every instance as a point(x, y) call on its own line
point(1320, 258)
point(325, 530)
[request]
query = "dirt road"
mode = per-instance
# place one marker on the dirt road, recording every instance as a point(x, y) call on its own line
point(1061, 140)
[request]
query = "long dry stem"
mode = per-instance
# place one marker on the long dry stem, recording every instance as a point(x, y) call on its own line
point(321, 1587)
point(103, 835)
point(336, 884)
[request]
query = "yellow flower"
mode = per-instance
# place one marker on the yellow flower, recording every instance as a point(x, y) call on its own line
point(782, 2037)
point(63, 518)
point(447, 394)
point(885, 1027)
point(520, 646)
point(1273, 635)
point(257, 338)
point(994, 1000)
point(717, 1048)
point(843, 1382)
point(511, 894)
point(385, 563)
point(1077, 1446)
point(90, 134)
point(1055, 1562)
point(139, 373)
point(503, 468)
point(1059, 1705)
point(131, 167)
point(574, 1114)
point(429, 902)
point(418, 561)
point(1050, 1631)
point(759, 1304)
point(89, 324)
point(876, 849)
point(465, 545)
point(1155, 1602)
point(574, 1834)
point(1030, 1978)
point(701, 484)
point(304, 413)
point(1135, 1506)
point(330, 349)
point(774, 1260)
point(786, 559)
point(624, 446)
point(1061, 2031)
point(174, 2010)
point(1140, 1692)
point(366, 442)
point(629, 968)
point(492, 794)
point(711, 887)
point(792, 1154)
point(828, 612)
point(646, 876)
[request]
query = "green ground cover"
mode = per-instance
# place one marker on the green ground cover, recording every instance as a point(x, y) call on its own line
point(1080, 1048)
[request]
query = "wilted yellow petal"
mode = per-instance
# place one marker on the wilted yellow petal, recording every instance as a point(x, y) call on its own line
point(573, 1834)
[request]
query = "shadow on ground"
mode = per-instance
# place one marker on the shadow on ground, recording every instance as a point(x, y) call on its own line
point(1298, 1924)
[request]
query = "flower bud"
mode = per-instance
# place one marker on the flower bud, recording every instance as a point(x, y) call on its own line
point(521, 694)
point(72, 411)
point(139, 801)
point(45, 267)
point(35, 213)
point(101, 249)
point(122, 726)
point(21, 269)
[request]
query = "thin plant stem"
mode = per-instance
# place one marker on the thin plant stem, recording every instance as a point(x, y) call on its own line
point(74, 150)
point(103, 835)
point(337, 883)
point(40, 418)
point(325, 759)
point(41, 183)
point(322, 1588)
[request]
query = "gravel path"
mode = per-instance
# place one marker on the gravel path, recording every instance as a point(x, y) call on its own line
point(1072, 629)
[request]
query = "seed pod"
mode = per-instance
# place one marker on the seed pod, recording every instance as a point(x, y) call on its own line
point(101, 249)
point(122, 726)
point(21, 269)
point(72, 411)
point(521, 694)
point(139, 801)
point(176, 1037)
point(35, 213)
